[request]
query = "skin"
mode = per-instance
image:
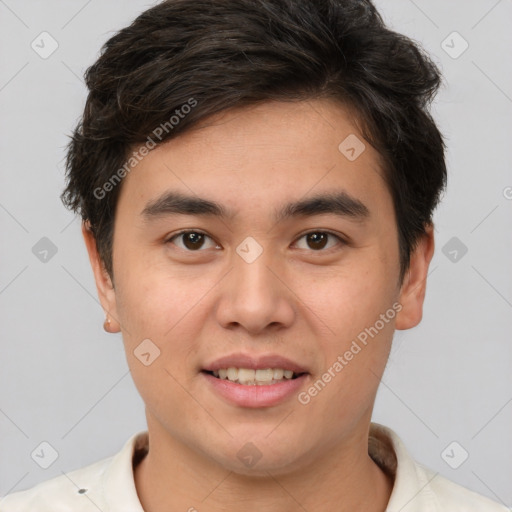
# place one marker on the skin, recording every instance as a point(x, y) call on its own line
point(295, 300)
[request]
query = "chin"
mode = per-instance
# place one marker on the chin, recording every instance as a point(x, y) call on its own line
point(263, 468)
point(261, 456)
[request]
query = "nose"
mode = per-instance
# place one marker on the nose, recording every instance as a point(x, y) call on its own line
point(255, 295)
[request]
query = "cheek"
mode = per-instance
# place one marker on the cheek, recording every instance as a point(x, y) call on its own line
point(350, 298)
point(359, 309)
point(168, 309)
point(155, 316)
point(152, 295)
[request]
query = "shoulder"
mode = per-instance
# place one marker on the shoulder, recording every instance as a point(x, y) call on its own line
point(77, 491)
point(105, 485)
point(417, 488)
point(456, 498)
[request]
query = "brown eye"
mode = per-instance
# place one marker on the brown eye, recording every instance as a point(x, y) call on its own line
point(318, 240)
point(192, 241)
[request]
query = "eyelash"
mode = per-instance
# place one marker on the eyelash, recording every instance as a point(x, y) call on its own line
point(188, 231)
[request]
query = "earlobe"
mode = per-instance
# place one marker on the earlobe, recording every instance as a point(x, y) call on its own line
point(412, 294)
point(104, 286)
point(110, 326)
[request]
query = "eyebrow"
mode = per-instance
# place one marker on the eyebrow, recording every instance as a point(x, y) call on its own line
point(176, 203)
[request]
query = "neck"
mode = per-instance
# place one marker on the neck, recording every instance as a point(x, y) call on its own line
point(344, 478)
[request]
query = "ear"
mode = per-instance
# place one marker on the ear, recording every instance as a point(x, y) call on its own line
point(412, 292)
point(104, 286)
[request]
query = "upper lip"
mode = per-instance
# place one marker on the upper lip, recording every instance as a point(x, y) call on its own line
point(254, 362)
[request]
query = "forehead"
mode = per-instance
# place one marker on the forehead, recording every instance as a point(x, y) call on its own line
point(250, 158)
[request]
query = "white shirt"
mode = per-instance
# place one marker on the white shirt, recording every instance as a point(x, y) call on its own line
point(108, 485)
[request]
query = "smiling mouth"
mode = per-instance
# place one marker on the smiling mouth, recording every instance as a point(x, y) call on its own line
point(251, 377)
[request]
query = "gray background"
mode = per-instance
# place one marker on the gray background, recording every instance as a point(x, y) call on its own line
point(64, 381)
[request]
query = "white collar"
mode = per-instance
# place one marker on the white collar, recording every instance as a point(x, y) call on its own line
point(109, 484)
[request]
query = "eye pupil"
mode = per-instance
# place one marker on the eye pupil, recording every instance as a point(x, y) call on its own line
point(195, 239)
point(319, 240)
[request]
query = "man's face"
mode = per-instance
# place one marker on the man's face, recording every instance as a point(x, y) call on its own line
point(257, 285)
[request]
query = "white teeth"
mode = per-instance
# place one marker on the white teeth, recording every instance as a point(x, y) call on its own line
point(250, 377)
point(264, 375)
point(232, 374)
point(245, 375)
point(278, 373)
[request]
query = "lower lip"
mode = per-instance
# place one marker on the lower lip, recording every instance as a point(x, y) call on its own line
point(255, 396)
